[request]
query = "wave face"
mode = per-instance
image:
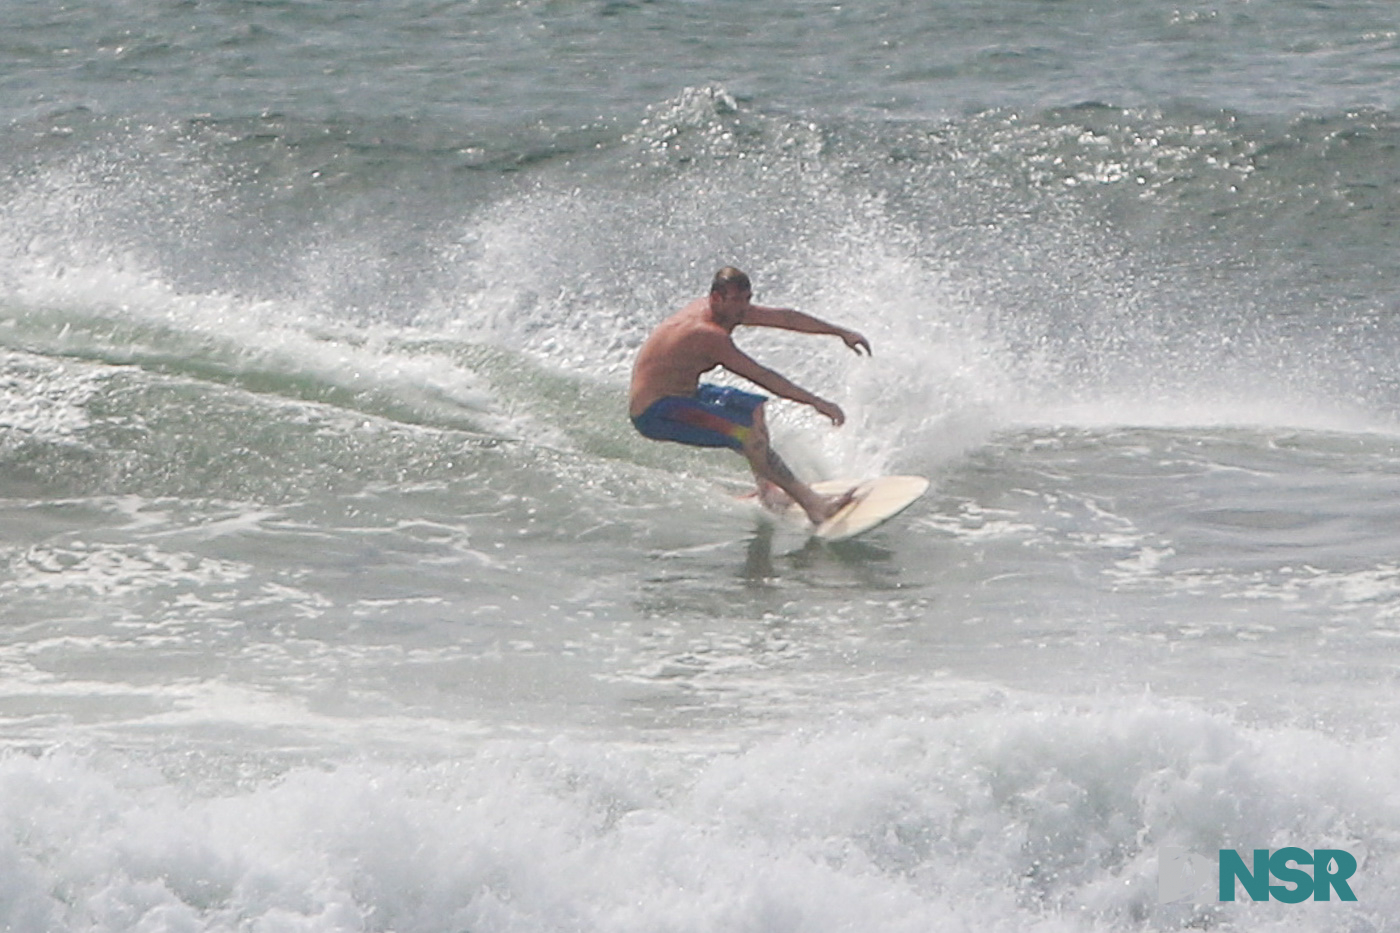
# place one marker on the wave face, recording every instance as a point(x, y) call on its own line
point(337, 593)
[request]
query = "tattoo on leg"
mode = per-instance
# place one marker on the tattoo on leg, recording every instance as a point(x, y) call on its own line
point(778, 469)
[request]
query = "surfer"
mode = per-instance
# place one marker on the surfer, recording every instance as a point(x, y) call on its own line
point(669, 403)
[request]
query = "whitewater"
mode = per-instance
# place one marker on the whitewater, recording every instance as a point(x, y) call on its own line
point(337, 593)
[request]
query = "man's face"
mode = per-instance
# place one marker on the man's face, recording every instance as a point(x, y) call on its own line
point(730, 304)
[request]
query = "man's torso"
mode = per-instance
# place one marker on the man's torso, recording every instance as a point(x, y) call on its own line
point(674, 357)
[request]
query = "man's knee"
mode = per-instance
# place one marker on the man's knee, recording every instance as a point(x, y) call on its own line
point(755, 441)
point(755, 446)
point(758, 428)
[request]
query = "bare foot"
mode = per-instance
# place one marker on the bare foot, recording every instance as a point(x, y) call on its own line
point(831, 505)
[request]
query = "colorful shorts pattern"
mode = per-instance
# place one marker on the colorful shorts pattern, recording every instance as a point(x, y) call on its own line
point(715, 416)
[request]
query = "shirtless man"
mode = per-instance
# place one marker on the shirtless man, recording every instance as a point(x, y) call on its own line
point(668, 402)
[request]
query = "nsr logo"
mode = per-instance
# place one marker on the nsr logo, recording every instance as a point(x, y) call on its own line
point(1181, 873)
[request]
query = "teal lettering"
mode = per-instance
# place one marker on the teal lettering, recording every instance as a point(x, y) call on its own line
point(1324, 878)
point(1330, 870)
point(1302, 881)
point(1256, 884)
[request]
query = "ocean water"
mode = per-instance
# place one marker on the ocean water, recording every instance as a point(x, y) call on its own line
point(337, 593)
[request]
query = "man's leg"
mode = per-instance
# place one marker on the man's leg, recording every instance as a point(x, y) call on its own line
point(770, 470)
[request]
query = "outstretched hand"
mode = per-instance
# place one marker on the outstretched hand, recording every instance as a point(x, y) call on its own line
point(856, 342)
point(831, 410)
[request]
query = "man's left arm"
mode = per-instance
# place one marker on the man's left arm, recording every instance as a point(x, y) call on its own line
point(788, 319)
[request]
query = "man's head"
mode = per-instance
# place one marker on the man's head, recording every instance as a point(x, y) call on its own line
point(729, 280)
point(730, 296)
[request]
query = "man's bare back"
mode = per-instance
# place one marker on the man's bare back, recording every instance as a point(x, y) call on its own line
point(699, 338)
point(678, 352)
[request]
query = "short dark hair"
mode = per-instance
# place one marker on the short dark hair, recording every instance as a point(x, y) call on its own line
point(730, 277)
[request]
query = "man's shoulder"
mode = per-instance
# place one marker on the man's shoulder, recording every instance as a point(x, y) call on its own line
point(697, 310)
point(695, 319)
point(690, 336)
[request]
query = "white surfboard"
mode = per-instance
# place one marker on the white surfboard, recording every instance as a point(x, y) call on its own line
point(876, 501)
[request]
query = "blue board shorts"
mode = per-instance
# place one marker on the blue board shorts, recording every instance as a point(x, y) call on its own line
point(715, 416)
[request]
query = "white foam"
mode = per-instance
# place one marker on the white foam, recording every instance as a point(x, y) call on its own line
point(1012, 815)
point(108, 570)
point(43, 399)
point(117, 311)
